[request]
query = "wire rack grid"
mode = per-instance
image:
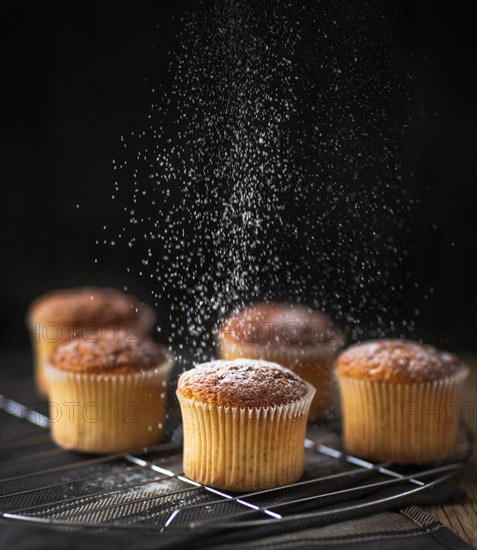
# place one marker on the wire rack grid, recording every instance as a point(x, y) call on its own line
point(146, 489)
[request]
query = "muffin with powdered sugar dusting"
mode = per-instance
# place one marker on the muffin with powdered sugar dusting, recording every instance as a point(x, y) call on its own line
point(396, 397)
point(293, 335)
point(118, 385)
point(244, 424)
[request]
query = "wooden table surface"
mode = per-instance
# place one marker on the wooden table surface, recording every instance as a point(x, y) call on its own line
point(462, 518)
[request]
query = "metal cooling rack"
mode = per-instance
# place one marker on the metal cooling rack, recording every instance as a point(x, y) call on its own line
point(43, 484)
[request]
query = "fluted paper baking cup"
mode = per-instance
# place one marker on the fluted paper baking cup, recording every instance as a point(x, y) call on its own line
point(313, 363)
point(108, 413)
point(244, 449)
point(407, 423)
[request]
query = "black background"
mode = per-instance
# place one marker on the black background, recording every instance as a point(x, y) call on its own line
point(78, 75)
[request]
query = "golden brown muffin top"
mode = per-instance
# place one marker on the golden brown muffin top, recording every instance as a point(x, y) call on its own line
point(112, 350)
point(279, 323)
point(396, 361)
point(242, 383)
point(86, 305)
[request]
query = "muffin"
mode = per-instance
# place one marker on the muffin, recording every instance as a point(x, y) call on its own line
point(244, 424)
point(108, 395)
point(399, 401)
point(297, 337)
point(64, 314)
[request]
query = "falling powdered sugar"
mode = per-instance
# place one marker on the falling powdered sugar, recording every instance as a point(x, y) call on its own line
point(271, 167)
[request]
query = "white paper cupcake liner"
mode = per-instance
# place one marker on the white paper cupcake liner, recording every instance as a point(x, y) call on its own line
point(108, 413)
point(401, 422)
point(244, 449)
